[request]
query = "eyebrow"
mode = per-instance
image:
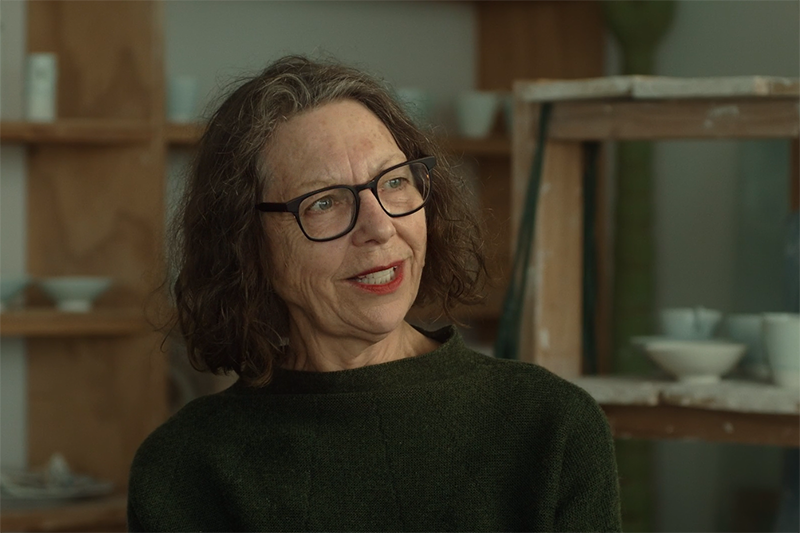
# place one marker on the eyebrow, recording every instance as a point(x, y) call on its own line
point(316, 184)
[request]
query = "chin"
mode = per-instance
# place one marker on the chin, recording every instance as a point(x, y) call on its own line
point(385, 319)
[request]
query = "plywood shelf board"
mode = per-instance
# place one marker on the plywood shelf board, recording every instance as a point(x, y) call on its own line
point(728, 395)
point(657, 88)
point(48, 322)
point(77, 131)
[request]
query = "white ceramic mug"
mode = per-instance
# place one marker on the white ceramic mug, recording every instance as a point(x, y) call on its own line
point(689, 323)
point(782, 342)
point(748, 329)
point(41, 87)
point(476, 112)
point(182, 98)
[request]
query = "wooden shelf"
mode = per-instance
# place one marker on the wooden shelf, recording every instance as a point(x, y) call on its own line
point(102, 514)
point(183, 134)
point(77, 131)
point(47, 322)
point(189, 135)
point(601, 109)
point(730, 411)
point(658, 108)
point(693, 423)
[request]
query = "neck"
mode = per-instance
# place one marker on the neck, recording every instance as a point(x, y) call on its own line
point(324, 353)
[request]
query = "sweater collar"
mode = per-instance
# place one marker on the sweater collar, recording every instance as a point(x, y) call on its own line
point(449, 360)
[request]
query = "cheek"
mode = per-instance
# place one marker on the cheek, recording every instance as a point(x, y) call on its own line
point(421, 232)
point(298, 265)
point(284, 261)
point(416, 236)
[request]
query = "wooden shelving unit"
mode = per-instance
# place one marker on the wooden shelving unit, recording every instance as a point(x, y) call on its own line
point(633, 108)
point(76, 131)
point(46, 322)
point(97, 381)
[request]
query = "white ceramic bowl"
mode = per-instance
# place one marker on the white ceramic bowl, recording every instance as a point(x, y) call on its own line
point(10, 288)
point(703, 361)
point(75, 293)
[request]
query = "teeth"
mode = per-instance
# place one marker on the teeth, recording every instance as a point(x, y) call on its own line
point(378, 278)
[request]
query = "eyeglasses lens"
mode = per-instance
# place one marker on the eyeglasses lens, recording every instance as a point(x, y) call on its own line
point(332, 212)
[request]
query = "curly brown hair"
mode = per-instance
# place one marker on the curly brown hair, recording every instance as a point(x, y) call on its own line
point(227, 311)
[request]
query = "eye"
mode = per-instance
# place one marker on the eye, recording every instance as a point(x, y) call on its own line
point(395, 183)
point(321, 204)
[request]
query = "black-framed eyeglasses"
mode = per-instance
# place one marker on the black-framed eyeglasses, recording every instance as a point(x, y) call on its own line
point(329, 213)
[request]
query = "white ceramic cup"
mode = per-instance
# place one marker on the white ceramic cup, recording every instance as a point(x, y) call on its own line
point(689, 323)
point(782, 342)
point(748, 329)
point(417, 103)
point(476, 112)
point(182, 99)
point(41, 87)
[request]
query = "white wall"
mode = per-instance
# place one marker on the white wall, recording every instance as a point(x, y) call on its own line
point(429, 45)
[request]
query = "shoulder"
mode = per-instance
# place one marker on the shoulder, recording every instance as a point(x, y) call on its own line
point(530, 389)
point(168, 482)
point(184, 442)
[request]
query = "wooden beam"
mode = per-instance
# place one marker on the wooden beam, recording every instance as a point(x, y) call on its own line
point(653, 120)
point(686, 423)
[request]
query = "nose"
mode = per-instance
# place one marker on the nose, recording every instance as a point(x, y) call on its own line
point(373, 224)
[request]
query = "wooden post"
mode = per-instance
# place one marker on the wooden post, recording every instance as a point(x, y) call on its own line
point(551, 324)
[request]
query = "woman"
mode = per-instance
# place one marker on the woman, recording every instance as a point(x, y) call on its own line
point(316, 216)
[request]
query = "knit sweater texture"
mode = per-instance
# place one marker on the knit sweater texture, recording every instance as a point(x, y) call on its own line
point(451, 440)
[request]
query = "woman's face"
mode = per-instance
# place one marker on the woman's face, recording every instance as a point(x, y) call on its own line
point(362, 284)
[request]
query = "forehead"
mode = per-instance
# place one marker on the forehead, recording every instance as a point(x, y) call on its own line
point(337, 142)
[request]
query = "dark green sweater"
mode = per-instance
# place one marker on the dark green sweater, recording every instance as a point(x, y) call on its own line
point(447, 441)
